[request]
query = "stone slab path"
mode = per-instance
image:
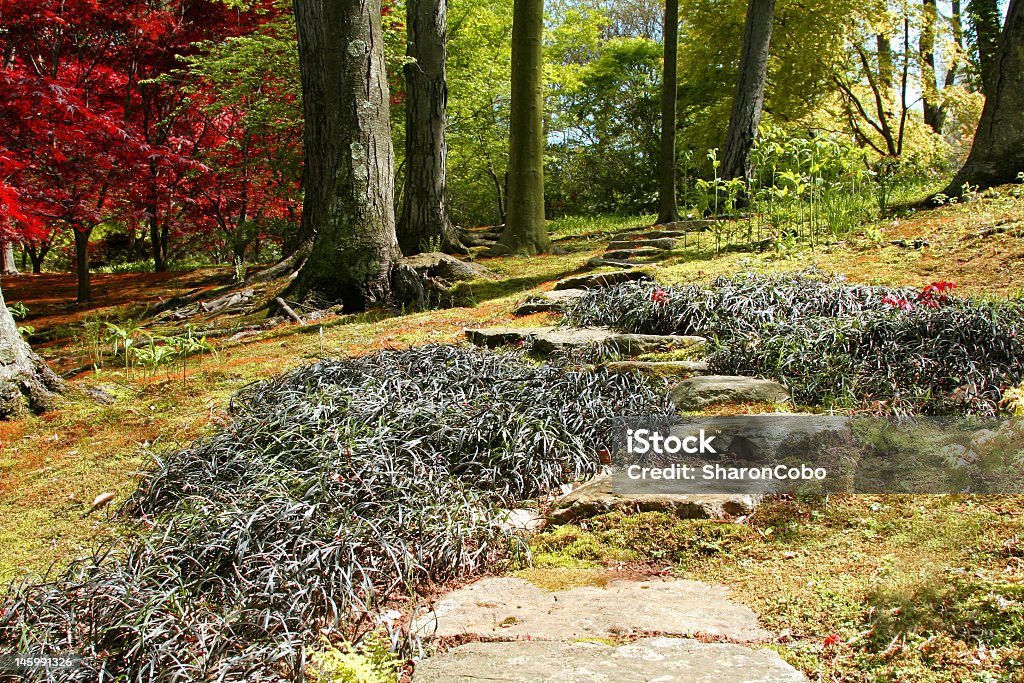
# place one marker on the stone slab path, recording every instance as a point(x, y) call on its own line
point(530, 634)
point(549, 340)
point(598, 496)
point(648, 660)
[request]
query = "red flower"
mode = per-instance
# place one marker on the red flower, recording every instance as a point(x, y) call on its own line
point(659, 296)
point(832, 640)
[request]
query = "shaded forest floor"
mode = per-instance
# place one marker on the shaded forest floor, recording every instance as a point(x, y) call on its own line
point(53, 466)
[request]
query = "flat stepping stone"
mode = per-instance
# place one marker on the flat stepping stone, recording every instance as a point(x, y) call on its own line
point(571, 338)
point(599, 280)
point(663, 243)
point(640, 252)
point(698, 393)
point(597, 497)
point(647, 660)
point(549, 302)
point(495, 337)
point(510, 608)
point(600, 262)
point(668, 368)
point(549, 340)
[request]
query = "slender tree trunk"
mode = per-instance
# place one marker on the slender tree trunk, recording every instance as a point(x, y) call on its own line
point(8, 264)
point(25, 381)
point(933, 114)
point(998, 152)
point(156, 240)
point(349, 203)
point(499, 190)
point(37, 255)
point(984, 15)
point(525, 231)
point(885, 69)
point(424, 216)
point(668, 210)
point(957, 24)
point(82, 262)
point(748, 100)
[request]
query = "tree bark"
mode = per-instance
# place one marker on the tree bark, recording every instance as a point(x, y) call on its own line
point(984, 16)
point(156, 240)
point(525, 231)
point(885, 68)
point(349, 201)
point(668, 210)
point(8, 264)
point(997, 155)
point(82, 234)
point(424, 218)
point(26, 383)
point(37, 254)
point(748, 100)
point(933, 114)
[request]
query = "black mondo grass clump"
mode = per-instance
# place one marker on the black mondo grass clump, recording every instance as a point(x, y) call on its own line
point(890, 350)
point(334, 491)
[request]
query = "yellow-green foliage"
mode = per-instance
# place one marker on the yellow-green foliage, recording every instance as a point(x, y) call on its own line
point(370, 662)
point(1013, 399)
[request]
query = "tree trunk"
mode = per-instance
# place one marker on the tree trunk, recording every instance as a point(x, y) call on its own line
point(8, 264)
point(525, 231)
point(885, 69)
point(37, 255)
point(82, 262)
point(933, 114)
point(748, 100)
point(668, 211)
point(499, 190)
point(424, 218)
point(157, 242)
point(984, 15)
point(349, 158)
point(25, 381)
point(998, 152)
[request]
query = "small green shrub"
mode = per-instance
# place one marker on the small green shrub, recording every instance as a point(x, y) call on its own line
point(372, 661)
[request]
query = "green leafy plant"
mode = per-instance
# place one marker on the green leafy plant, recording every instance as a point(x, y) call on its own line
point(372, 661)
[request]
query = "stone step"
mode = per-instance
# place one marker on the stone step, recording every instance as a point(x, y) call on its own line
point(700, 392)
point(598, 496)
point(512, 608)
point(664, 243)
point(665, 660)
point(599, 262)
point(549, 340)
point(599, 280)
point(549, 302)
point(666, 368)
point(639, 252)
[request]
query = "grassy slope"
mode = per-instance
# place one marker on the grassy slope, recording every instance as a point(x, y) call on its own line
point(51, 467)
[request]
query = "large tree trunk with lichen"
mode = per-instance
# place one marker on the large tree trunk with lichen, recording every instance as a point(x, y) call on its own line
point(26, 383)
point(424, 224)
point(8, 264)
point(349, 158)
point(997, 156)
point(668, 210)
point(748, 100)
point(525, 231)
